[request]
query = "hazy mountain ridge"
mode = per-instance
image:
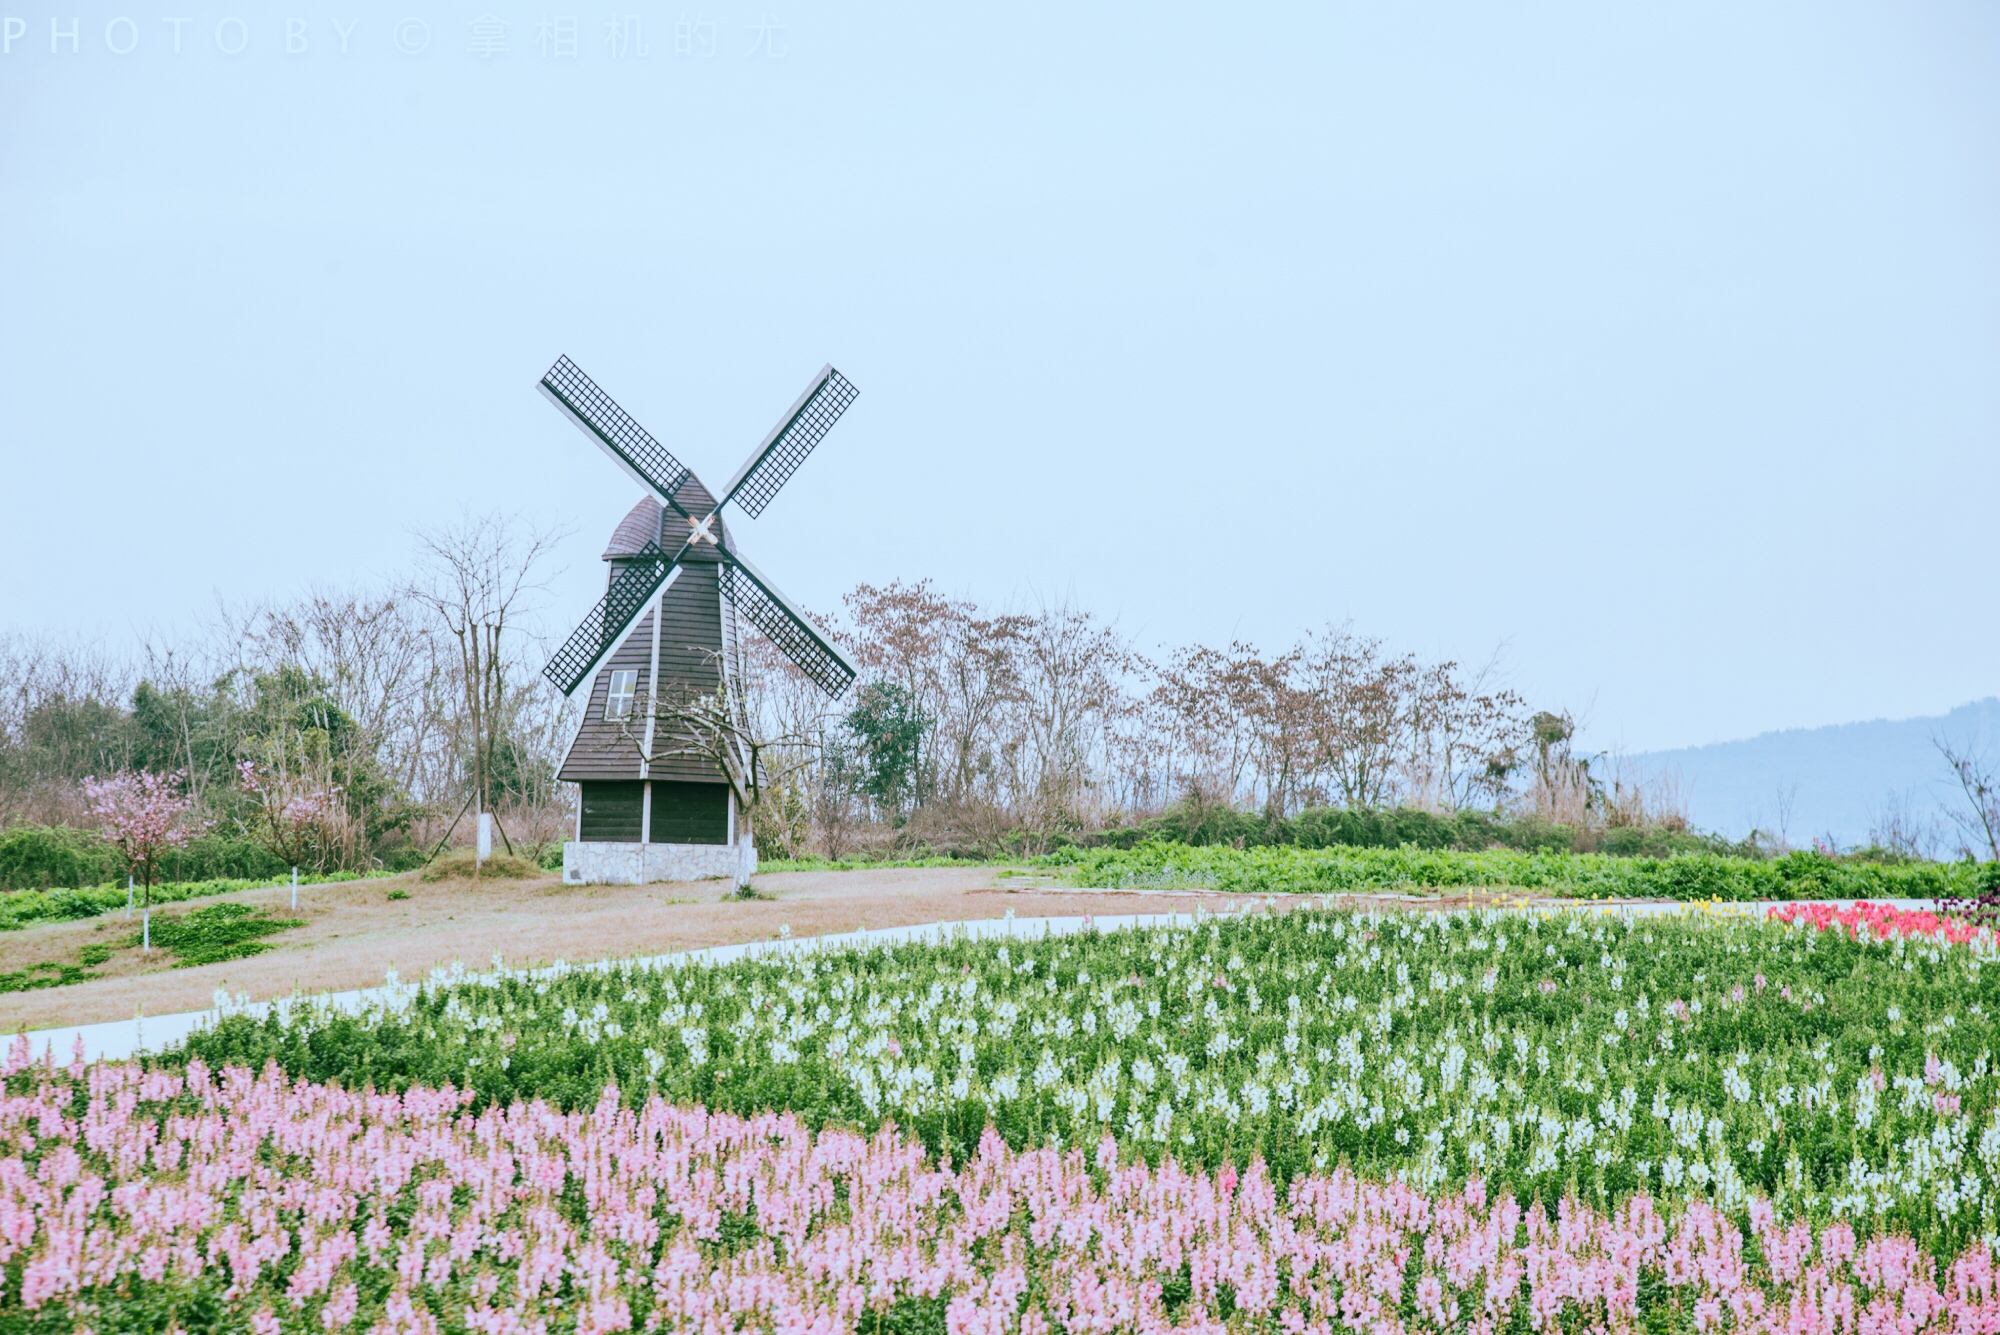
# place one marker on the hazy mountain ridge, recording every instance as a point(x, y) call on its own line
point(1842, 781)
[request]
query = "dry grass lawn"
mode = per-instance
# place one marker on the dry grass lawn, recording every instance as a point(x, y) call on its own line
point(353, 932)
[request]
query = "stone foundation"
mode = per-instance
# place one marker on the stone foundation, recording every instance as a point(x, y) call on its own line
point(642, 864)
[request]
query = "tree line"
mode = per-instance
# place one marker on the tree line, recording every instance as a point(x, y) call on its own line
point(341, 728)
point(971, 729)
point(379, 711)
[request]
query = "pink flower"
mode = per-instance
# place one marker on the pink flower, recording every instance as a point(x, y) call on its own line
point(524, 1217)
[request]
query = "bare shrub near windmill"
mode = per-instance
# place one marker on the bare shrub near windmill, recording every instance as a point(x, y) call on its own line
point(1978, 821)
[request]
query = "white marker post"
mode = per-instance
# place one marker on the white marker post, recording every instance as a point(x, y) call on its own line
point(128, 896)
point(484, 846)
point(295, 889)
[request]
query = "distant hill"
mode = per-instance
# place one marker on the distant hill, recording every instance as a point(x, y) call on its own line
point(1842, 780)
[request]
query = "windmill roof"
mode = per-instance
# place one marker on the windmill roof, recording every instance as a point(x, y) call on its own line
point(649, 521)
point(635, 530)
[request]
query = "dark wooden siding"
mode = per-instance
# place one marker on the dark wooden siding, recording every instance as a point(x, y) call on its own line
point(600, 750)
point(690, 656)
point(692, 643)
point(612, 812)
point(690, 813)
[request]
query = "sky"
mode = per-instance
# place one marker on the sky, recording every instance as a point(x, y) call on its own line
point(1649, 346)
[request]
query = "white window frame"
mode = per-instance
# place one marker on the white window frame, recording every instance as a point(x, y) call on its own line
point(619, 694)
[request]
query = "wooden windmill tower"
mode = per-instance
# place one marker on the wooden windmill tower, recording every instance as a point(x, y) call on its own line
point(677, 593)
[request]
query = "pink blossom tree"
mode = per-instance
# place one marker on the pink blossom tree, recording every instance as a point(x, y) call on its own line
point(298, 819)
point(144, 815)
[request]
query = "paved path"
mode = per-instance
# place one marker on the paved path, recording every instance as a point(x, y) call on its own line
point(118, 1039)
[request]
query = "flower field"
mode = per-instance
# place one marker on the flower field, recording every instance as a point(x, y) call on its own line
point(253, 1203)
point(1280, 1121)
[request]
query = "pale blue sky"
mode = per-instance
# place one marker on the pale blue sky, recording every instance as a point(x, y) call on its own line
point(1657, 341)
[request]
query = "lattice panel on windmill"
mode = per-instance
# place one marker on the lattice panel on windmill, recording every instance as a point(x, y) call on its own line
point(617, 429)
point(807, 651)
point(606, 623)
point(796, 440)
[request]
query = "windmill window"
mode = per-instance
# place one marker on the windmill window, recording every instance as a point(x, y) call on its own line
point(618, 700)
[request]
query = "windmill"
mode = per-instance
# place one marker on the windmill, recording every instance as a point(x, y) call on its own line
point(677, 591)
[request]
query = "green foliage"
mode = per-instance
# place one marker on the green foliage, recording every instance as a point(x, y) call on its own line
point(65, 737)
point(910, 1315)
point(24, 908)
point(1199, 822)
point(888, 728)
point(40, 856)
point(54, 973)
point(47, 973)
point(1685, 877)
point(219, 932)
point(458, 864)
point(398, 893)
point(216, 857)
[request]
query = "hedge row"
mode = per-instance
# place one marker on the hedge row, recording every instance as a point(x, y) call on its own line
point(1204, 823)
point(40, 857)
point(1689, 876)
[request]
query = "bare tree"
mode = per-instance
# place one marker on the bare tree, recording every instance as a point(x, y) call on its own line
point(62, 717)
point(1901, 826)
point(1364, 715)
point(1465, 736)
point(1788, 799)
point(1978, 818)
point(378, 656)
point(478, 579)
point(1069, 670)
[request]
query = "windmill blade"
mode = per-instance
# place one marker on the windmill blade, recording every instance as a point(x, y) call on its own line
point(630, 594)
point(614, 430)
point(785, 626)
point(790, 441)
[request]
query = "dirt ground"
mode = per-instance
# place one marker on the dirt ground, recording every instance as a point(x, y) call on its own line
point(354, 932)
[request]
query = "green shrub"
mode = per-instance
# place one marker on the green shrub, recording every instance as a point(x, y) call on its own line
point(216, 857)
point(38, 857)
point(457, 865)
point(1201, 824)
point(1345, 870)
point(216, 933)
point(35, 857)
